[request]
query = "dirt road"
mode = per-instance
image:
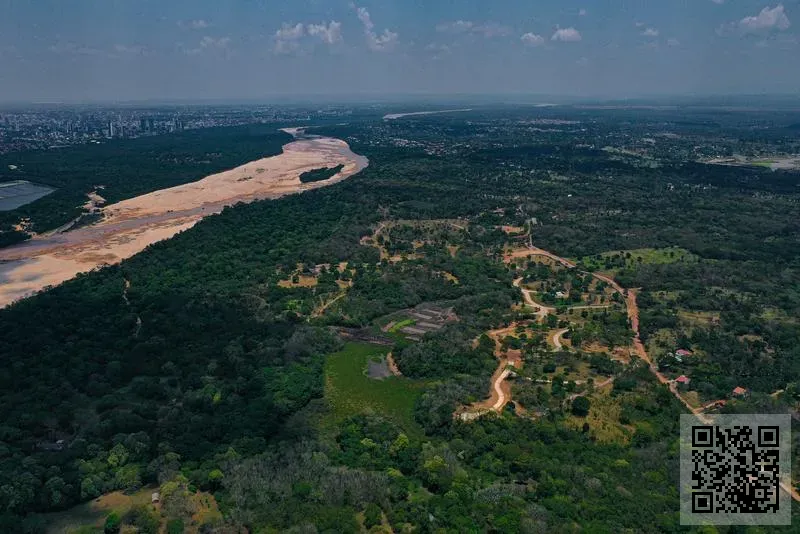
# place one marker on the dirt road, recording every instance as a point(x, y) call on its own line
point(542, 310)
point(325, 305)
point(555, 339)
point(500, 389)
point(590, 307)
point(536, 251)
point(393, 365)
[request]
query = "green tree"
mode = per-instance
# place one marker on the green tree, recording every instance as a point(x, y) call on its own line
point(580, 406)
point(143, 518)
point(215, 477)
point(113, 523)
point(372, 515)
point(175, 526)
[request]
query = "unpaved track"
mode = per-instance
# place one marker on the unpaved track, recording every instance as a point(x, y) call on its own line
point(129, 226)
point(526, 295)
point(590, 307)
point(500, 390)
point(321, 309)
point(393, 365)
point(555, 340)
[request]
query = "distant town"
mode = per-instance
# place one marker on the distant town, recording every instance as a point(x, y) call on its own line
point(55, 126)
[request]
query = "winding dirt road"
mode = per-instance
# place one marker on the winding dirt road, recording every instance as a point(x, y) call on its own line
point(555, 339)
point(542, 310)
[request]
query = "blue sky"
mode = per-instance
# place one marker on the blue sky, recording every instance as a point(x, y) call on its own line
point(209, 49)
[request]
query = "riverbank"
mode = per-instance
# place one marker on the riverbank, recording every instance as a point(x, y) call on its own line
point(129, 226)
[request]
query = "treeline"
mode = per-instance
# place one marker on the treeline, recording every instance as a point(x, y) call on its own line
point(127, 168)
point(318, 175)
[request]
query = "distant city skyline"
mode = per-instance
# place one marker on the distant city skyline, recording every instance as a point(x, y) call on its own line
point(125, 50)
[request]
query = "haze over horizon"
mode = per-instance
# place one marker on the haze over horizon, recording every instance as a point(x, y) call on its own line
point(135, 51)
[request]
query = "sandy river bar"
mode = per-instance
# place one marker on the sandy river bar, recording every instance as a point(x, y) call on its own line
point(131, 225)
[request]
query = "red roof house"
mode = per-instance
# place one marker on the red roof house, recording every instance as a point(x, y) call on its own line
point(683, 379)
point(739, 391)
point(683, 352)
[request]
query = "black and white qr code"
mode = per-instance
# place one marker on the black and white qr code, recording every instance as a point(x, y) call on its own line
point(731, 474)
point(736, 468)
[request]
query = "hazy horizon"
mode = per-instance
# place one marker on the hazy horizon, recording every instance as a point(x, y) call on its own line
point(766, 100)
point(93, 51)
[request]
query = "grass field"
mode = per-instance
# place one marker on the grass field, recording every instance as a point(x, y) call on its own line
point(402, 324)
point(763, 163)
point(614, 260)
point(698, 318)
point(603, 419)
point(88, 518)
point(349, 391)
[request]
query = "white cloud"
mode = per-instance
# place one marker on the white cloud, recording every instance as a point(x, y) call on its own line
point(531, 39)
point(650, 32)
point(457, 26)
point(382, 42)
point(210, 42)
point(134, 50)
point(328, 34)
point(566, 35)
point(437, 47)
point(74, 49)
point(287, 32)
point(487, 29)
point(767, 19)
point(582, 62)
point(286, 38)
point(207, 44)
point(492, 29)
point(363, 16)
point(196, 24)
point(376, 42)
point(673, 42)
point(582, 13)
point(439, 50)
point(718, 1)
point(68, 48)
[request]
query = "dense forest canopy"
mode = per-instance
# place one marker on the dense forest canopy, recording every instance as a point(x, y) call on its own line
point(214, 375)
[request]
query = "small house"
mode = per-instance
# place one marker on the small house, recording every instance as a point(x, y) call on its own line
point(739, 392)
point(683, 353)
point(683, 379)
point(155, 498)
